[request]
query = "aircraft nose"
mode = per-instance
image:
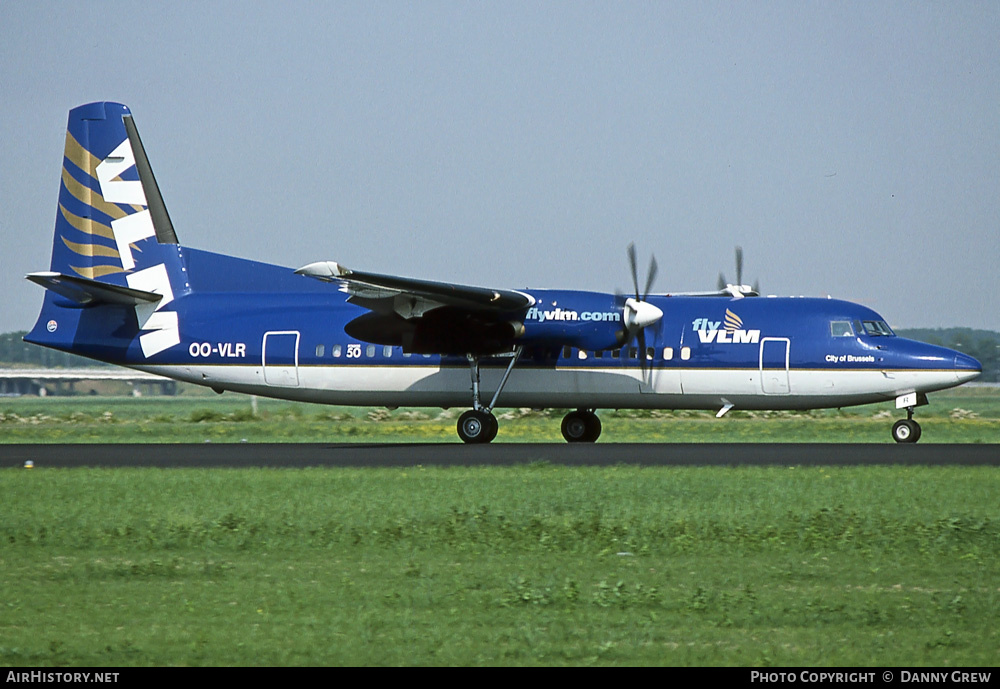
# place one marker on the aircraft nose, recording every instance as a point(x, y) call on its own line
point(966, 367)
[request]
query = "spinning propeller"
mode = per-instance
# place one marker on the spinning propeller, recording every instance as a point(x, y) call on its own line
point(739, 289)
point(637, 313)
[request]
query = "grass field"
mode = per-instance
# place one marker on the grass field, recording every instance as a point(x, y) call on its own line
point(529, 565)
point(534, 565)
point(964, 415)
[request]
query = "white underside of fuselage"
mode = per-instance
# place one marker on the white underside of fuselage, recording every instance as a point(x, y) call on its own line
point(593, 388)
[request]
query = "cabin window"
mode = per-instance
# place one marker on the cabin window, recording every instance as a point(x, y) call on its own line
point(599, 354)
point(841, 329)
point(320, 350)
point(387, 351)
point(650, 352)
point(581, 354)
point(615, 353)
point(685, 353)
point(336, 350)
point(668, 353)
point(633, 353)
point(567, 352)
point(370, 351)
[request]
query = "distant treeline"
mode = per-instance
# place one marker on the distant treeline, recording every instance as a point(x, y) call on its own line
point(982, 344)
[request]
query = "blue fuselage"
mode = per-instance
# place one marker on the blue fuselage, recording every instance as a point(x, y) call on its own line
point(258, 328)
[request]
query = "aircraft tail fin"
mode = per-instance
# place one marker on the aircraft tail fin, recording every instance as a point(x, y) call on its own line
point(114, 240)
point(110, 207)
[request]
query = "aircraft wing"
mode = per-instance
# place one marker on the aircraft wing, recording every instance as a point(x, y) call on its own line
point(425, 316)
point(412, 298)
point(737, 291)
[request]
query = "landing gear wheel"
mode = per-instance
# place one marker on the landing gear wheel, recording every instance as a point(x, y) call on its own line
point(906, 431)
point(581, 426)
point(475, 426)
point(492, 427)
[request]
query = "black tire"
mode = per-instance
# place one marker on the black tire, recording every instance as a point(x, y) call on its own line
point(574, 427)
point(476, 427)
point(581, 427)
point(492, 427)
point(906, 431)
point(593, 427)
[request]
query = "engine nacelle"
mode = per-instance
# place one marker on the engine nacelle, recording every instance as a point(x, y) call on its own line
point(579, 319)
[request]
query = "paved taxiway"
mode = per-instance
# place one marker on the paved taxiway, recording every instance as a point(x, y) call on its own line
point(499, 454)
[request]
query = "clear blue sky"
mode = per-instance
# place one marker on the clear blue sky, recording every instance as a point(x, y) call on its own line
point(851, 148)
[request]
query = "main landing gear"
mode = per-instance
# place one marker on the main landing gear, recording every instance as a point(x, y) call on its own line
point(581, 426)
point(478, 425)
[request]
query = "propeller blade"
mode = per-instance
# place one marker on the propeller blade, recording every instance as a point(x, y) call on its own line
point(632, 266)
point(739, 265)
point(650, 277)
point(637, 313)
point(642, 351)
point(722, 282)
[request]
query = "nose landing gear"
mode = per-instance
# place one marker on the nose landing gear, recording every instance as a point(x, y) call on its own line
point(907, 430)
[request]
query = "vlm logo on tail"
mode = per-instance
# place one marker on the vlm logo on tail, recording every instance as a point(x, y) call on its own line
point(732, 332)
point(161, 328)
point(131, 227)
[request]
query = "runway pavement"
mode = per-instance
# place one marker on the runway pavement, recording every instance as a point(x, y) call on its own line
point(499, 454)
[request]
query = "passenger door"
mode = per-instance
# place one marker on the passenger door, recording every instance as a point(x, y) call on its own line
point(280, 358)
point(774, 358)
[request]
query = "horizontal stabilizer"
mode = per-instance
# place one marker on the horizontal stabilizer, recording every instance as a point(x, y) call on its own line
point(85, 291)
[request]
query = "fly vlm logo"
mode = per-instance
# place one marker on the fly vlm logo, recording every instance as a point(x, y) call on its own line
point(559, 314)
point(162, 328)
point(732, 332)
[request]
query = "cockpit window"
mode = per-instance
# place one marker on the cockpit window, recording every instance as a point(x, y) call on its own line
point(841, 329)
point(875, 328)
